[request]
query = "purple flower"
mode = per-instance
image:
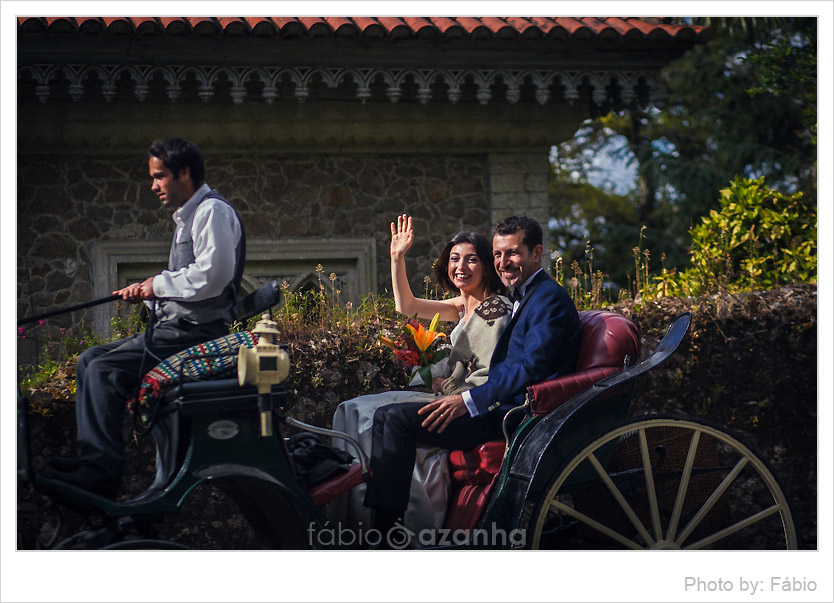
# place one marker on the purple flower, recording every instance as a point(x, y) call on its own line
point(21, 332)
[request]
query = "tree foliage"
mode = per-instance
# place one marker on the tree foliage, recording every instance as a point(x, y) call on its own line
point(758, 239)
point(742, 105)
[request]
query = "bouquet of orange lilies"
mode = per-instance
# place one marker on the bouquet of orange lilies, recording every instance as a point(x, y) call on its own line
point(417, 347)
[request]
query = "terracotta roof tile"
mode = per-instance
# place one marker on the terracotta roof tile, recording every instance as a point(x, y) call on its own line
point(523, 26)
point(449, 27)
point(372, 27)
point(420, 25)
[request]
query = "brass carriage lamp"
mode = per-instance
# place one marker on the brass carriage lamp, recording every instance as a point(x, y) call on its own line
point(263, 366)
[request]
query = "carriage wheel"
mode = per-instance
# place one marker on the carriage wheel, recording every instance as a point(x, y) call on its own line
point(664, 482)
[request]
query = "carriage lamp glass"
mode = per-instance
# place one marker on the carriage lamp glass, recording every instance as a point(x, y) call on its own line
point(263, 366)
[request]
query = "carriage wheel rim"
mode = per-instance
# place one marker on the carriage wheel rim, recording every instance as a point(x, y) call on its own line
point(675, 535)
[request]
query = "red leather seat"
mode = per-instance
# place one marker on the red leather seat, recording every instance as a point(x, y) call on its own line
point(329, 489)
point(473, 473)
point(607, 338)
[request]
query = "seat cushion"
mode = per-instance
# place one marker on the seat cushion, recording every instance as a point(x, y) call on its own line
point(478, 465)
point(467, 506)
point(329, 489)
point(473, 474)
point(607, 337)
point(212, 359)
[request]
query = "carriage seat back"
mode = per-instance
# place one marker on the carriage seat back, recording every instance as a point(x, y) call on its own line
point(608, 340)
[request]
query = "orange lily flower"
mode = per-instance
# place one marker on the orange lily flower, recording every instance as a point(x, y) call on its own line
point(423, 337)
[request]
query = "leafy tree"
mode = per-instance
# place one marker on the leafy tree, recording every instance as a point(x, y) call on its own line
point(744, 105)
point(593, 218)
point(759, 238)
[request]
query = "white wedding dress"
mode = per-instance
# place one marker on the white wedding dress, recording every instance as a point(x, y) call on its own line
point(430, 482)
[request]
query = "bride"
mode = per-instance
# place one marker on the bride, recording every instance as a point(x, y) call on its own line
point(465, 267)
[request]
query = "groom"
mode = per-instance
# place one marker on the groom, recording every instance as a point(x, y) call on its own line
point(540, 342)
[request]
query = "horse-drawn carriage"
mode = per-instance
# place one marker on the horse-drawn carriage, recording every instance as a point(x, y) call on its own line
point(577, 473)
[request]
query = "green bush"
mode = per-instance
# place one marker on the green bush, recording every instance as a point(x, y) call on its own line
point(759, 239)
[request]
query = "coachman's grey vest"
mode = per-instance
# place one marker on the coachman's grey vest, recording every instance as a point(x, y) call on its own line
point(182, 254)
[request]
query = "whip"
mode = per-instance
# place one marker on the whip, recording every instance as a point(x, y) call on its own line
point(95, 302)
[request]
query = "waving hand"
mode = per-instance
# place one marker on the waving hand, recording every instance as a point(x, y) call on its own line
point(402, 236)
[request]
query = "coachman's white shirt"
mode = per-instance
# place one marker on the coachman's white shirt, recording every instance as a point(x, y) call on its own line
point(215, 232)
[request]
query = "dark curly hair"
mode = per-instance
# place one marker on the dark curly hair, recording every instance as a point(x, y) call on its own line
point(483, 249)
point(177, 154)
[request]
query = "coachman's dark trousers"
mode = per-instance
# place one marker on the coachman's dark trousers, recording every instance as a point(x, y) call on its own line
point(106, 375)
point(396, 432)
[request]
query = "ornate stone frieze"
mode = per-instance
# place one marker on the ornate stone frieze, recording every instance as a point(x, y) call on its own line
point(295, 83)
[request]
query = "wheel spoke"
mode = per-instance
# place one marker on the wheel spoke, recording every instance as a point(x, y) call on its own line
point(687, 472)
point(703, 469)
point(710, 502)
point(735, 527)
point(615, 492)
point(650, 491)
point(560, 506)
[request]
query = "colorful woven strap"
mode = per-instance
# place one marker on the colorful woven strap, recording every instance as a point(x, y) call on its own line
point(213, 358)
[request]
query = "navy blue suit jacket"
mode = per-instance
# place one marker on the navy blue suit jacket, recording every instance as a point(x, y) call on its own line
point(540, 342)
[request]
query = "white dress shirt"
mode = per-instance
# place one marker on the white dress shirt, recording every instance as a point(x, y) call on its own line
point(215, 233)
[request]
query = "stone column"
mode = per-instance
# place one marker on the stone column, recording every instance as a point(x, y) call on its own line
point(518, 186)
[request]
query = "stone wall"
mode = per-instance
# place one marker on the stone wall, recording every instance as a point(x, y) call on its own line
point(67, 204)
point(518, 185)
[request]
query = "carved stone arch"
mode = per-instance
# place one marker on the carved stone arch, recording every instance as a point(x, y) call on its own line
point(109, 75)
point(298, 78)
point(394, 79)
point(269, 79)
point(627, 81)
point(572, 81)
point(172, 76)
point(362, 77)
point(232, 75)
point(100, 74)
point(483, 78)
point(36, 72)
point(238, 89)
point(598, 80)
point(141, 76)
point(454, 79)
point(513, 79)
point(205, 89)
point(303, 283)
point(422, 78)
point(75, 75)
point(41, 76)
point(327, 75)
point(167, 73)
point(541, 81)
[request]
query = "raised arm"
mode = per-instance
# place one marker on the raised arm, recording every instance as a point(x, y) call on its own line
point(402, 237)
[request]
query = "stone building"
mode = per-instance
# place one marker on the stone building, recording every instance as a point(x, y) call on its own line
point(319, 130)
